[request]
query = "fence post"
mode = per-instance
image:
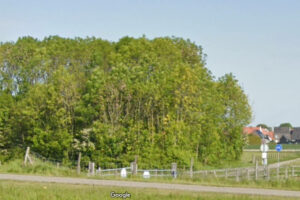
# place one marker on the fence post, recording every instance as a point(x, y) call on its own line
point(286, 173)
point(268, 173)
point(91, 168)
point(27, 156)
point(57, 165)
point(78, 163)
point(191, 167)
point(237, 175)
point(174, 170)
point(253, 159)
point(134, 168)
point(293, 171)
point(226, 173)
point(256, 170)
point(248, 174)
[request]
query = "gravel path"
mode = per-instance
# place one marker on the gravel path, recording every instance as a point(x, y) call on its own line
point(195, 188)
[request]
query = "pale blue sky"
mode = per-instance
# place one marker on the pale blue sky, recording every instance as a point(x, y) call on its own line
point(257, 40)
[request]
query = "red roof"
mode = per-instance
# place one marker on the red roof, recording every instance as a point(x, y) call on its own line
point(251, 130)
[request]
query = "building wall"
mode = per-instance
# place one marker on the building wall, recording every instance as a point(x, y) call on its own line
point(282, 134)
point(296, 134)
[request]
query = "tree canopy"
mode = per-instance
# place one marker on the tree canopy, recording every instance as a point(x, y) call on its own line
point(264, 126)
point(287, 124)
point(114, 100)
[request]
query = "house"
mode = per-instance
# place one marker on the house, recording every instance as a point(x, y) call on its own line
point(256, 130)
point(296, 134)
point(283, 134)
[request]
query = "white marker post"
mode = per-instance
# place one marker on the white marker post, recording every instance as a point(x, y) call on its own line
point(264, 148)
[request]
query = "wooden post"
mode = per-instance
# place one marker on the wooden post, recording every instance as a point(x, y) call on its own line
point(215, 173)
point(191, 167)
point(91, 168)
point(134, 165)
point(174, 170)
point(293, 171)
point(57, 165)
point(253, 159)
point(256, 170)
point(248, 174)
point(134, 168)
point(237, 175)
point(78, 163)
point(27, 156)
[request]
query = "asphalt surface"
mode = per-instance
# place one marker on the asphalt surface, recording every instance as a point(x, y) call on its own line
point(194, 188)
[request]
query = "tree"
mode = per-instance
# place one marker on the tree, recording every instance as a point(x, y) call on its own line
point(289, 125)
point(114, 100)
point(264, 126)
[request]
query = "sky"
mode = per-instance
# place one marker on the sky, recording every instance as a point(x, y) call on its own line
point(258, 40)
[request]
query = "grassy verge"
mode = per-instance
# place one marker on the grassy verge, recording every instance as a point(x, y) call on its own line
point(10, 190)
point(46, 169)
point(272, 146)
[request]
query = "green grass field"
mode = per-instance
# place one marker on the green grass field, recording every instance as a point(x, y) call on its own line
point(273, 145)
point(10, 190)
point(47, 169)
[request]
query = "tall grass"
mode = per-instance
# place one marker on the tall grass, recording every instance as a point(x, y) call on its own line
point(38, 167)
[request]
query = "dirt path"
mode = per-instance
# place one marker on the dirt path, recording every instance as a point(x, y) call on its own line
point(195, 188)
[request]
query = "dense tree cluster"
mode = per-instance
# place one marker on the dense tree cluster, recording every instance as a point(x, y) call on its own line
point(114, 100)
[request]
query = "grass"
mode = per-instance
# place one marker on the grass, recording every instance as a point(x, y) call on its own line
point(247, 160)
point(48, 169)
point(39, 167)
point(10, 190)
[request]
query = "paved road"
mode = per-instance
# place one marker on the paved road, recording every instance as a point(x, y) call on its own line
point(195, 188)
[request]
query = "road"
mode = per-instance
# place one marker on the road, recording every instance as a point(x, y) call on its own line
point(194, 188)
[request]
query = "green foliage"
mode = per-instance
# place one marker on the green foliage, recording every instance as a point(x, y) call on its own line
point(254, 139)
point(112, 101)
point(289, 125)
point(264, 126)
